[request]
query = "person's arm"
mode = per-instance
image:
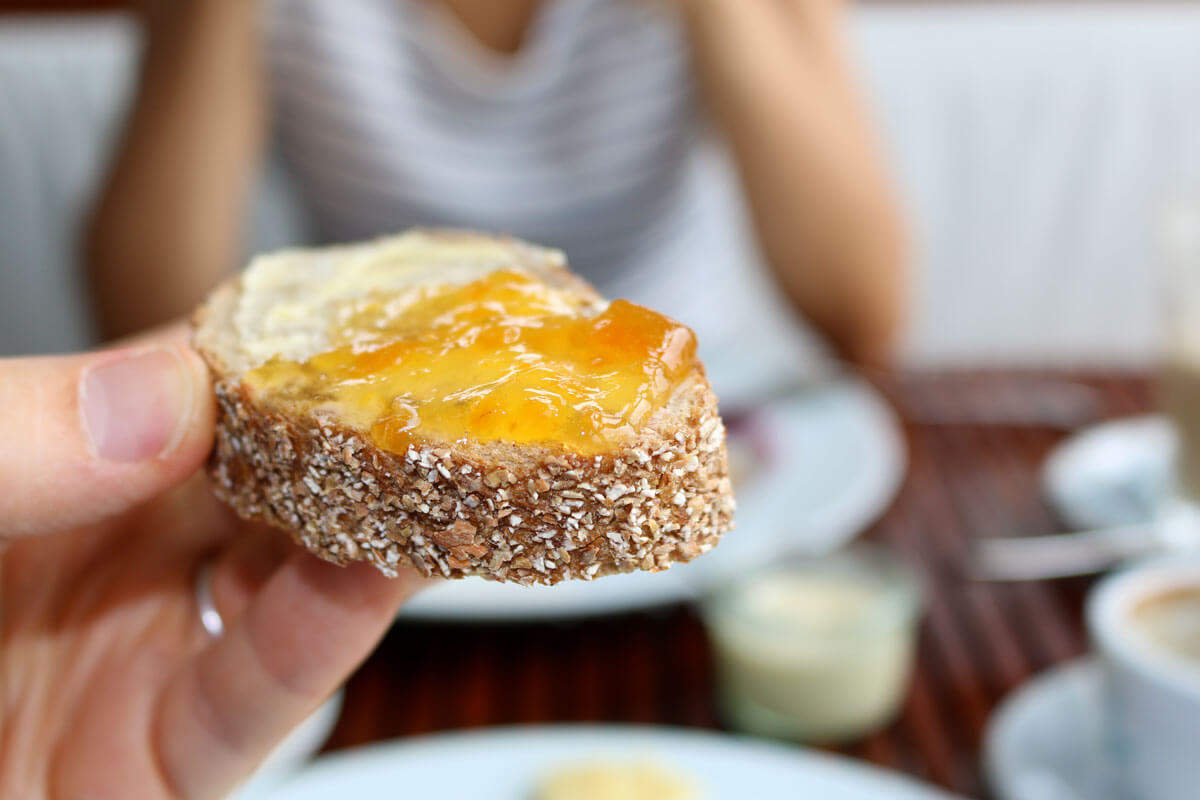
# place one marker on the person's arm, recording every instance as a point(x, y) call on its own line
point(827, 223)
point(168, 222)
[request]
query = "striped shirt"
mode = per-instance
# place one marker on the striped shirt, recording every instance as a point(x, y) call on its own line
point(390, 114)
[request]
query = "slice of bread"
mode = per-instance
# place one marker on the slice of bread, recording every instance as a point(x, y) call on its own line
point(528, 512)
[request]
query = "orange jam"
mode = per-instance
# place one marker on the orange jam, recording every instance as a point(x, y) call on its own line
point(505, 358)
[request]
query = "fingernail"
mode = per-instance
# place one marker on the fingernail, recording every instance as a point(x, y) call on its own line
point(137, 406)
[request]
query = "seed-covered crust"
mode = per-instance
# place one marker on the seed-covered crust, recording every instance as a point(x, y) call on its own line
point(508, 512)
point(540, 515)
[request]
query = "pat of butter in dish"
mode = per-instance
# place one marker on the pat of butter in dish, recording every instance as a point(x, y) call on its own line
point(616, 782)
point(815, 649)
point(505, 357)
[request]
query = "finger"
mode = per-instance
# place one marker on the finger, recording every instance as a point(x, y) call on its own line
point(88, 436)
point(248, 561)
point(301, 636)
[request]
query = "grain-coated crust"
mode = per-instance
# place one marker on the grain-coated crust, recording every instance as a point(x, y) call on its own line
point(547, 517)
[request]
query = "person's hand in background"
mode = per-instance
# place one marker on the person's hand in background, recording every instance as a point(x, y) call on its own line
point(109, 685)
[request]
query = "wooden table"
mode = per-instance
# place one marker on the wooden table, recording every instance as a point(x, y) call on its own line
point(978, 640)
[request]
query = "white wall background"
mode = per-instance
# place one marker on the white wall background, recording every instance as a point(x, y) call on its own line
point(1035, 145)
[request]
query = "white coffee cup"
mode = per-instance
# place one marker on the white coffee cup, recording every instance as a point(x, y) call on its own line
point(1153, 693)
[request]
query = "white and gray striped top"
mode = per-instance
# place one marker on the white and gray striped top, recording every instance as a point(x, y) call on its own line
point(390, 114)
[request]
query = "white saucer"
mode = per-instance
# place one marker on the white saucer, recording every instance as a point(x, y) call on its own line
point(508, 763)
point(815, 472)
point(1046, 740)
point(1115, 473)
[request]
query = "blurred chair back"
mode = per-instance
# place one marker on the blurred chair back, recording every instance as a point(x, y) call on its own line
point(64, 85)
point(59, 90)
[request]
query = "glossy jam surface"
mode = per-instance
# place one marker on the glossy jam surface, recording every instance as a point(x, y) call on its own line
point(502, 358)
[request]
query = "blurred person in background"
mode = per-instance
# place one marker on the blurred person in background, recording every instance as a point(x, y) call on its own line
point(573, 123)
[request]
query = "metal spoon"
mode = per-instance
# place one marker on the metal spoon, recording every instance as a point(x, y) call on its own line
point(1025, 558)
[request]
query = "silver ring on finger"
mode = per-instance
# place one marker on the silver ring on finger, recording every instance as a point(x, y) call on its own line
point(210, 617)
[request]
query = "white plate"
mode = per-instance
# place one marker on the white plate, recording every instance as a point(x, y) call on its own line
point(1046, 741)
point(508, 763)
point(1115, 473)
point(823, 467)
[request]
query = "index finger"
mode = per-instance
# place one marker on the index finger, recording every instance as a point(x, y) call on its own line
point(309, 627)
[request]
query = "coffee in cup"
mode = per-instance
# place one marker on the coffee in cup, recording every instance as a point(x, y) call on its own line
point(1170, 621)
point(1145, 623)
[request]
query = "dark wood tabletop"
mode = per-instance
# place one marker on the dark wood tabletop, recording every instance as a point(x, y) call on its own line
point(978, 640)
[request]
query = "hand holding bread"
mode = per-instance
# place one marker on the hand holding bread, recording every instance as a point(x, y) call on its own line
point(111, 686)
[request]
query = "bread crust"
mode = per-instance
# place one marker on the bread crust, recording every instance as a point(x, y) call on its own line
point(516, 513)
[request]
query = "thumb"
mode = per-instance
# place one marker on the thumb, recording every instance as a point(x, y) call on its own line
point(84, 437)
